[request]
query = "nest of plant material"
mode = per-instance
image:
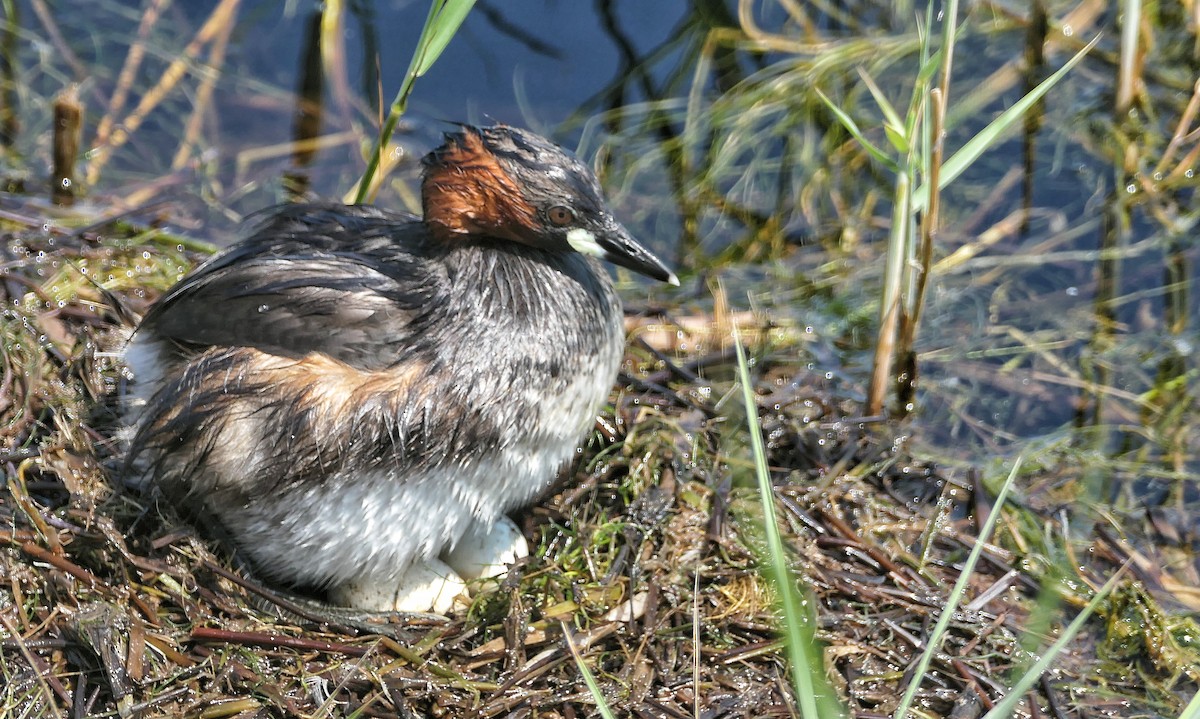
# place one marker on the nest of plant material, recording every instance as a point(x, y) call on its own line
point(646, 564)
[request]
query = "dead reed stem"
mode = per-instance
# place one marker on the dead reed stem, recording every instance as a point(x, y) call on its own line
point(133, 61)
point(195, 123)
point(223, 14)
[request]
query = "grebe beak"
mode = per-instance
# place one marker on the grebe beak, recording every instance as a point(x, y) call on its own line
point(614, 244)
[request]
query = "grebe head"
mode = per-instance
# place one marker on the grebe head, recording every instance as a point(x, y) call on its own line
point(504, 183)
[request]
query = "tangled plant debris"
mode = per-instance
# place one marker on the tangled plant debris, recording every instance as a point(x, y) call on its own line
point(647, 553)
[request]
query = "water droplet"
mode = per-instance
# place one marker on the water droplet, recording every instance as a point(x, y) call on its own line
point(1131, 188)
point(1072, 292)
point(1068, 31)
point(264, 308)
point(828, 375)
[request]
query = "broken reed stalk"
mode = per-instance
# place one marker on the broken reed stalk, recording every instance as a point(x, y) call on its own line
point(68, 128)
point(931, 165)
point(310, 89)
point(275, 640)
point(929, 229)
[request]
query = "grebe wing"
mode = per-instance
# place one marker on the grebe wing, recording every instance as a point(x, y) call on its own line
point(335, 280)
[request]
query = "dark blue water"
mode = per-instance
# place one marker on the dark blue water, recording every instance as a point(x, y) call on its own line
point(562, 66)
point(530, 62)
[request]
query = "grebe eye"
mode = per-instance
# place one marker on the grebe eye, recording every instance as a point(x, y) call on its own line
point(560, 216)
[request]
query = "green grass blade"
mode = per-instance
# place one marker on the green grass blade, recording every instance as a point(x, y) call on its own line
point(815, 697)
point(588, 678)
point(1006, 707)
point(890, 116)
point(443, 21)
point(934, 642)
point(928, 69)
point(900, 238)
point(1192, 711)
point(988, 136)
point(441, 30)
point(856, 133)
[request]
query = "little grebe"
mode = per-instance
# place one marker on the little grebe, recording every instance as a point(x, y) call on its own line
point(355, 398)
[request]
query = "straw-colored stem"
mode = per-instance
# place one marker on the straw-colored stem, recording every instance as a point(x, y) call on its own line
point(929, 221)
point(68, 124)
point(221, 15)
point(890, 306)
point(46, 17)
point(771, 41)
point(133, 61)
point(1127, 71)
point(333, 54)
point(1181, 133)
point(216, 61)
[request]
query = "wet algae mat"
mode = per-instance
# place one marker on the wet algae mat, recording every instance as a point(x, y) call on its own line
point(646, 553)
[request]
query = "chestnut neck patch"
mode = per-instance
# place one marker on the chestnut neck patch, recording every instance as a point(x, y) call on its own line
point(467, 192)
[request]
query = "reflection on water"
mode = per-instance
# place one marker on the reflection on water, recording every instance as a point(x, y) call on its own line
point(531, 63)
